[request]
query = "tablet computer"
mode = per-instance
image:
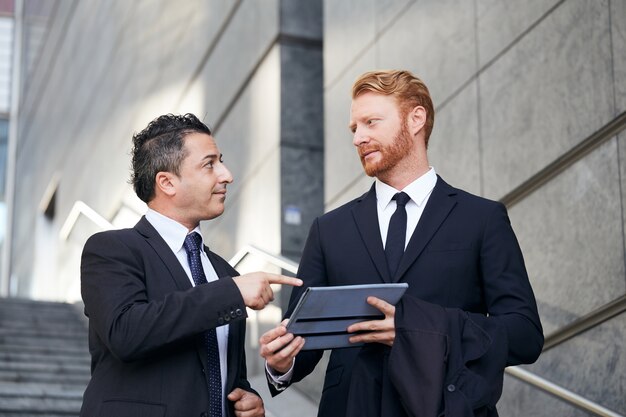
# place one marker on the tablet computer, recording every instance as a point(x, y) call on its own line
point(323, 314)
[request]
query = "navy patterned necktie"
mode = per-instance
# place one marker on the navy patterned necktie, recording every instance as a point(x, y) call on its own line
point(396, 234)
point(193, 246)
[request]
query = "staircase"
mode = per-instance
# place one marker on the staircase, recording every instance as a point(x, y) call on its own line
point(44, 359)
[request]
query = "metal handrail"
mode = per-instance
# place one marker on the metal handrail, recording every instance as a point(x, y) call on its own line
point(560, 392)
point(79, 208)
point(566, 332)
point(586, 322)
point(278, 260)
point(594, 318)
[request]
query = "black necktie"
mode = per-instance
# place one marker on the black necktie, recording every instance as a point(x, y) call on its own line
point(193, 246)
point(396, 234)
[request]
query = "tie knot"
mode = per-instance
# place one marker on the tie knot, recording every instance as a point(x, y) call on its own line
point(192, 242)
point(401, 199)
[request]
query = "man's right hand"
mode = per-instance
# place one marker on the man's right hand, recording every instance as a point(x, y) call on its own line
point(255, 287)
point(279, 348)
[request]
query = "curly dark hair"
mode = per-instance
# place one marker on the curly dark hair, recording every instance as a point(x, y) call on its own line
point(160, 148)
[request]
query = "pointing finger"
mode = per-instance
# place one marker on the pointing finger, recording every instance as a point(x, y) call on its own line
point(282, 279)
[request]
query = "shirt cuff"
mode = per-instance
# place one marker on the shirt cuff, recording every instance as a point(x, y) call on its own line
point(280, 382)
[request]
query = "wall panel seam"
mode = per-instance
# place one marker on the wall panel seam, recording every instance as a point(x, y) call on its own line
point(550, 171)
point(209, 51)
point(368, 46)
point(46, 76)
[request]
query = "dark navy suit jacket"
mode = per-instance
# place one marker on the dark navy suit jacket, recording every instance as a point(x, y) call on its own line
point(469, 310)
point(145, 323)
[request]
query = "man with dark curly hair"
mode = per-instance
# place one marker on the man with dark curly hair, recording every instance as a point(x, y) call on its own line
point(166, 315)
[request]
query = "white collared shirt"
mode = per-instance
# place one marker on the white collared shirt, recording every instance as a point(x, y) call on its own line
point(419, 191)
point(174, 235)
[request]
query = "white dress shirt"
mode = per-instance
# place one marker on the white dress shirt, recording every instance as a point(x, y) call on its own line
point(419, 191)
point(174, 235)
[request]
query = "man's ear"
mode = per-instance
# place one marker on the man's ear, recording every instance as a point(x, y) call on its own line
point(165, 182)
point(416, 119)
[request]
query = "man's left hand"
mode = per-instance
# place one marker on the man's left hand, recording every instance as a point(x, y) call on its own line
point(247, 404)
point(376, 331)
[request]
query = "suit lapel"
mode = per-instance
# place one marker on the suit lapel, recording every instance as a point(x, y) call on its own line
point(439, 205)
point(164, 252)
point(175, 269)
point(366, 218)
point(220, 269)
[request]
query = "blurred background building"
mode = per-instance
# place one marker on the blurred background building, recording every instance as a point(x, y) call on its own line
point(530, 110)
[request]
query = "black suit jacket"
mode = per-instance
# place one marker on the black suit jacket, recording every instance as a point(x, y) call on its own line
point(145, 322)
point(469, 309)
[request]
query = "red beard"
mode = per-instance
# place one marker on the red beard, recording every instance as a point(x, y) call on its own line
point(390, 154)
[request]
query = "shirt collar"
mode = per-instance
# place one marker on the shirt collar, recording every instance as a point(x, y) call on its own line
point(418, 190)
point(170, 230)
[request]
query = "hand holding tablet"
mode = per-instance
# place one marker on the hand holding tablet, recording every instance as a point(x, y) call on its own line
point(323, 314)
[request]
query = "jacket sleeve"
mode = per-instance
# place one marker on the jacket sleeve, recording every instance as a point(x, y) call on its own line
point(507, 291)
point(133, 325)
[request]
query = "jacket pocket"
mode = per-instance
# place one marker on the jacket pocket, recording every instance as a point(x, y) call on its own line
point(449, 247)
point(131, 408)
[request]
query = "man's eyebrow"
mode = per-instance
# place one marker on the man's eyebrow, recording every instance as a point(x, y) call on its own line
point(211, 156)
point(364, 116)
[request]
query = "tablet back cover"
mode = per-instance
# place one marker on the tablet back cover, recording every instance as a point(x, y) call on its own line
point(323, 314)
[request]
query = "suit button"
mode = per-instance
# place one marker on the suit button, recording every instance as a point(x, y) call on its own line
point(227, 317)
point(451, 388)
point(233, 314)
point(220, 321)
point(238, 312)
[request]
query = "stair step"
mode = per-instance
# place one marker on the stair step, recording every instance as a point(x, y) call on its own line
point(39, 323)
point(44, 359)
point(44, 349)
point(28, 304)
point(37, 317)
point(60, 390)
point(43, 332)
point(60, 406)
point(50, 343)
point(37, 414)
point(44, 367)
point(50, 357)
point(68, 378)
point(33, 312)
point(39, 391)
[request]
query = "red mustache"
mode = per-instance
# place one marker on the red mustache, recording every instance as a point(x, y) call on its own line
point(366, 150)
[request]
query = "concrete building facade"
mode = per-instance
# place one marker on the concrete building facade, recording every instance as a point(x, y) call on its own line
point(530, 110)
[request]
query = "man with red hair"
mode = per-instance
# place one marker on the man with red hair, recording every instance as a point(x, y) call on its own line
point(469, 310)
